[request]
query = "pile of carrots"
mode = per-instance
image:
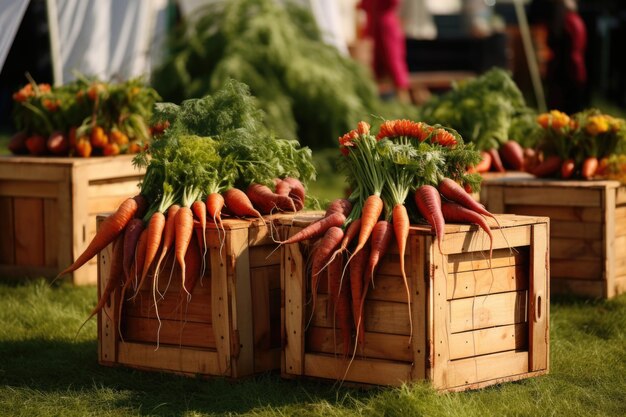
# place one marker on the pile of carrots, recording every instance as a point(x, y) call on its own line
point(213, 159)
point(406, 159)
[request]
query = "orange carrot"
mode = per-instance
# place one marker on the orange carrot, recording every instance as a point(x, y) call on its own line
point(297, 192)
point(455, 193)
point(168, 236)
point(453, 212)
point(239, 204)
point(153, 241)
point(496, 162)
point(428, 202)
point(116, 271)
point(109, 229)
point(193, 263)
point(372, 208)
point(340, 205)
point(339, 301)
point(140, 256)
point(356, 274)
point(401, 225)
point(317, 228)
point(138, 260)
point(382, 233)
point(485, 162)
point(351, 232)
point(131, 236)
point(590, 165)
point(512, 155)
point(267, 201)
point(547, 167)
point(214, 206)
point(199, 209)
point(321, 255)
point(142, 205)
point(183, 228)
point(567, 168)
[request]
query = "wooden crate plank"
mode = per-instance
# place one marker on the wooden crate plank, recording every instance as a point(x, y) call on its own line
point(32, 169)
point(7, 236)
point(220, 308)
point(559, 213)
point(33, 189)
point(260, 288)
point(487, 281)
point(487, 341)
point(479, 241)
point(168, 332)
point(166, 358)
point(539, 302)
point(241, 302)
point(107, 318)
point(620, 284)
point(378, 316)
point(575, 249)
point(483, 368)
point(576, 269)
point(579, 287)
point(80, 218)
point(553, 196)
point(173, 306)
point(105, 203)
point(264, 255)
point(29, 231)
point(293, 317)
point(370, 371)
point(487, 311)
point(608, 245)
point(576, 229)
point(121, 187)
point(377, 345)
point(440, 317)
point(51, 231)
point(418, 284)
point(495, 198)
point(475, 261)
point(386, 288)
point(620, 195)
point(120, 166)
point(620, 226)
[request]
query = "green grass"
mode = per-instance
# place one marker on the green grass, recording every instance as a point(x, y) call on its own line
point(46, 371)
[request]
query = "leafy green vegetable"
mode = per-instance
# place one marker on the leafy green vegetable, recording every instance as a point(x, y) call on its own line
point(306, 88)
point(214, 143)
point(486, 111)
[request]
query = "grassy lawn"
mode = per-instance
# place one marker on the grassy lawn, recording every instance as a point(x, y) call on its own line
point(47, 371)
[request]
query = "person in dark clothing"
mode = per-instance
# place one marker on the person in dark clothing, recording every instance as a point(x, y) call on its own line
point(566, 76)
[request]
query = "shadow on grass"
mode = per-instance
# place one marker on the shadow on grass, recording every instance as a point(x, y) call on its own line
point(71, 369)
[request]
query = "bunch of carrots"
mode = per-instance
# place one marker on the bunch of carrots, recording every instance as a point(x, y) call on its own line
point(408, 171)
point(194, 176)
point(580, 145)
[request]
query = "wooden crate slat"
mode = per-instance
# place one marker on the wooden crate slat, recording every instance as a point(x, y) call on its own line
point(487, 281)
point(576, 269)
point(370, 371)
point(479, 241)
point(29, 231)
point(387, 288)
point(487, 311)
point(575, 249)
point(51, 231)
point(107, 319)
point(7, 237)
point(539, 304)
point(576, 230)
point(377, 345)
point(173, 306)
point(166, 358)
point(39, 189)
point(172, 332)
point(488, 367)
point(474, 261)
point(559, 213)
point(550, 197)
point(487, 341)
point(265, 255)
point(293, 315)
point(579, 287)
point(379, 316)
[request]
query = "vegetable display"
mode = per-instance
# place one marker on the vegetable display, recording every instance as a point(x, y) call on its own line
point(407, 172)
point(307, 88)
point(490, 112)
point(582, 145)
point(84, 118)
point(213, 149)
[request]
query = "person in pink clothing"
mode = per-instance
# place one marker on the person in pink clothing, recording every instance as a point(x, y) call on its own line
point(389, 57)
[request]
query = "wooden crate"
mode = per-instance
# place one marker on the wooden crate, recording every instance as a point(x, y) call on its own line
point(48, 210)
point(473, 325)
point(489, 176)
point(231, 326)
point(588, 229)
